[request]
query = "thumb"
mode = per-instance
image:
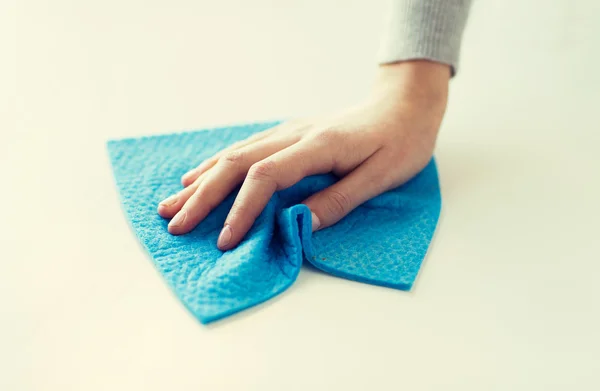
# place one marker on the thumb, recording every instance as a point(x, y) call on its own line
point(333, 203)
point(329, 206)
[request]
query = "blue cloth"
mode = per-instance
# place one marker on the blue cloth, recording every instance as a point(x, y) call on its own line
point(382, 242)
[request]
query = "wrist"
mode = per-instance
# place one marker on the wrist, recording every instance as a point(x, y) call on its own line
point(415, 81)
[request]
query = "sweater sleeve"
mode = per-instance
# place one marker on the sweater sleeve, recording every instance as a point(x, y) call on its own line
point(424, 29)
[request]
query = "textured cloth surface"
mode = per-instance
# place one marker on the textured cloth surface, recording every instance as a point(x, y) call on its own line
point(424, 29)
point(382, 242)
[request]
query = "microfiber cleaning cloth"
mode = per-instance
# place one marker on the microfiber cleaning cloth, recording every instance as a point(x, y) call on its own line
point(382, 242)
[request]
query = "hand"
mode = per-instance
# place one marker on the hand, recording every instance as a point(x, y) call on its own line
point(373, 147)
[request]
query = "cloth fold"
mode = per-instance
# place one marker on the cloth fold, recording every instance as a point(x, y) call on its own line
point(382, 242)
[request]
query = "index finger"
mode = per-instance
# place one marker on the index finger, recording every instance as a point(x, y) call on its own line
point(277, 172)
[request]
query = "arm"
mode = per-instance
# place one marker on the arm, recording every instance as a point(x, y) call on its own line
point(375, 146)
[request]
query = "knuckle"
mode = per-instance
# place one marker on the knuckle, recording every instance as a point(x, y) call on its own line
point(262, 170)
point(329, 136)
point(234, 159)
point(197, 194)
point(338, 203)
point(201, 202)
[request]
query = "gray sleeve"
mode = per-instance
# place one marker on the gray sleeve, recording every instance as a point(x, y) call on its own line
point(424, 29)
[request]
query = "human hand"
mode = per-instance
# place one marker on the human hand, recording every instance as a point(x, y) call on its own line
point(374, 147)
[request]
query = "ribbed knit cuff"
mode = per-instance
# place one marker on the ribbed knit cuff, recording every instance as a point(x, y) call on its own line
point(424, 29)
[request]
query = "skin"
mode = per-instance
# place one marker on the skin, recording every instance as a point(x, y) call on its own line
point(373, 147)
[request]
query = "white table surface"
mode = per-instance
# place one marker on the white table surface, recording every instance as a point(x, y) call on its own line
point(508, 298)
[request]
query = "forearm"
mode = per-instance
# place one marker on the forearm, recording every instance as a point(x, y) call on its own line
point(425, 29)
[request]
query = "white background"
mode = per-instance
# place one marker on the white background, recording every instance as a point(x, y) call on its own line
point(506, 300)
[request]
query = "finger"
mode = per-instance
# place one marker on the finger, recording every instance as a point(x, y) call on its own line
point(229, 172)
point(189, 177)
point(171, 205)
point(264, 178)
point(365, 182)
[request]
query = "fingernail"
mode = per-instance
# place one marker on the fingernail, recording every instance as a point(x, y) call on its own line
point(178, 219)
point(225, 236)
point(169, 201)
point(316, 223)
